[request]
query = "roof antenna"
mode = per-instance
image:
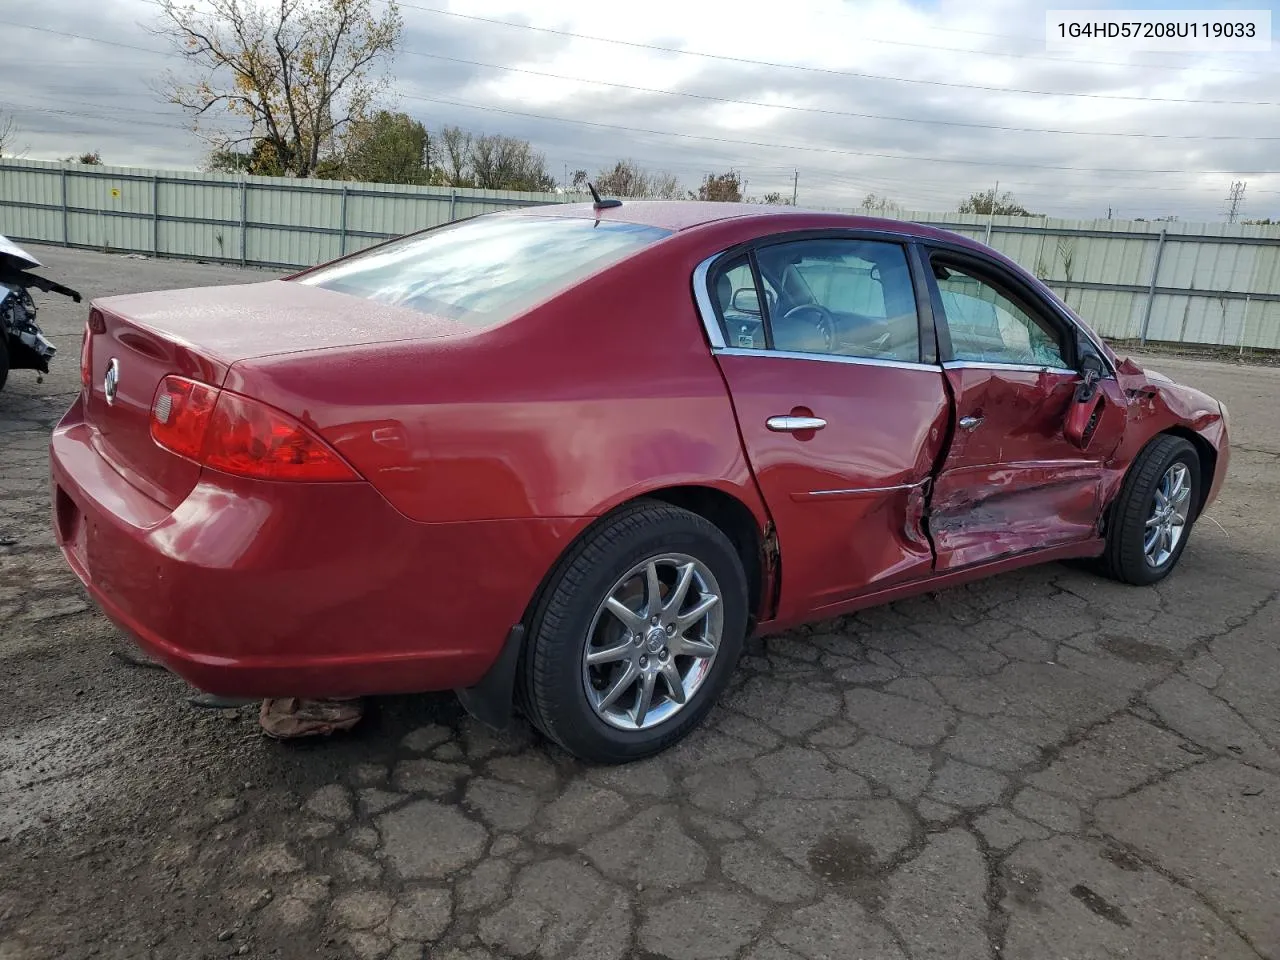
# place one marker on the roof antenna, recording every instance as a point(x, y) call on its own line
point(601, 204)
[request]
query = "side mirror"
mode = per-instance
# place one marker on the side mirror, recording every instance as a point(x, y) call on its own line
point(745, 300)
point(1086, 405)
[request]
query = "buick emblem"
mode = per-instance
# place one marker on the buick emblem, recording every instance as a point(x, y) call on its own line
point(111, 380)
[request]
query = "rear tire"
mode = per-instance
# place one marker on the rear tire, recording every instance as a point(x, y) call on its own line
point(1148, 532)
point(598, 637)
point(4, 360)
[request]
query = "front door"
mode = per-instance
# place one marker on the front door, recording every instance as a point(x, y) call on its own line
point(1011, 481)
point(820, 345)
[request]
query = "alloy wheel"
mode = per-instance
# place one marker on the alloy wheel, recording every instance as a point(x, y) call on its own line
point(652, 641)
point(1167, 520)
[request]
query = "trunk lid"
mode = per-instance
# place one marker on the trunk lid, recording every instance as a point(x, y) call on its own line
point(200, 333)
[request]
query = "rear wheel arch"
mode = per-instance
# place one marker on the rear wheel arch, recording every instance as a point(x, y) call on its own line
point(491, 700)
point(736, 521)
point(726, 511)
point(559, 621)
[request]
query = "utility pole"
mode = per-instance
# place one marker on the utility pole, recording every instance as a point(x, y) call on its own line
point(1234, 199)
point(795, 188)
point(991, 212)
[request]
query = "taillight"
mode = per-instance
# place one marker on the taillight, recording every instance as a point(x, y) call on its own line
point(237, 435)
point(180, 415)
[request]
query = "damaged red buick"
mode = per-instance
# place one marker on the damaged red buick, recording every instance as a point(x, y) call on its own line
point(565, 460)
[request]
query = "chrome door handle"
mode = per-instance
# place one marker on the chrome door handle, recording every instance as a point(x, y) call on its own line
point(794, 424)
point(971, 423)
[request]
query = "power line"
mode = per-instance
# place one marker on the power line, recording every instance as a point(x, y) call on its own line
point(833, 113)
point(847, 176)
point(810, 148)
point(822, 70)
point(716, 99)
point(102, 40)
point(467, 105)
point(1092, 173)
point(866, 39)
point(724, 57)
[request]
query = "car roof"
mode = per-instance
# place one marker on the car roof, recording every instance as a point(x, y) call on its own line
point(678, 215)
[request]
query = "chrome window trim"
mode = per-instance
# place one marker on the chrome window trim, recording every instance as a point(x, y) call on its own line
point(707, 309)
point(711, 323)
point(1040, 290)
point(998, 365)
point(716, 337)
point(827, 358)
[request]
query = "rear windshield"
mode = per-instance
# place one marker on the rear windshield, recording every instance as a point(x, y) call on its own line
point(486, 270)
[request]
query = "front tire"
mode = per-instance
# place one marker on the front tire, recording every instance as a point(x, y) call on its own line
point(636, 634)
point(1154, 512)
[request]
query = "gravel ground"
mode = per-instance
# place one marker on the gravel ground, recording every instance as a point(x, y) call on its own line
point(1042, 765)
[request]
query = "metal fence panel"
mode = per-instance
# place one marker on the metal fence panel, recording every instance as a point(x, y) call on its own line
point(1196, 283)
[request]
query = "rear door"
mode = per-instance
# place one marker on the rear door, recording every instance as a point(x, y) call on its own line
point(1011, 482)
point(840, 401)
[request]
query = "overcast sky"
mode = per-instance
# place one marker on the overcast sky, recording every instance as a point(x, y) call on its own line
point(899, 98)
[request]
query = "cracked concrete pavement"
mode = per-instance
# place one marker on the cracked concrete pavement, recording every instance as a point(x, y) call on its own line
point(1045, 764)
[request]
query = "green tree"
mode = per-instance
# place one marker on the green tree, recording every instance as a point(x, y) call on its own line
point(386, 148)
point(260, 160)
point(726, 187)
point(986, 202)
point(292, 74)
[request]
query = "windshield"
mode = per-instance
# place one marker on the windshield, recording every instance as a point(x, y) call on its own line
point(486, 270)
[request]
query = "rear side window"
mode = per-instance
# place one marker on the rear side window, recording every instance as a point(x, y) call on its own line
point(850, 298)
point(485, 271)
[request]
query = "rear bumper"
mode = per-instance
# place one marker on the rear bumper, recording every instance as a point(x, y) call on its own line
point(258, 589)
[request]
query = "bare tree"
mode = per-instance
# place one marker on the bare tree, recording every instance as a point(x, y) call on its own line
point(90, 158)
point(294, 73)
point(7, 134)
point(452, 149)
point(628, 180)
point(876, 204)
point(507, 163)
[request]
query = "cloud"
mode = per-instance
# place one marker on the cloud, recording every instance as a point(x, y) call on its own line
point(70, 95)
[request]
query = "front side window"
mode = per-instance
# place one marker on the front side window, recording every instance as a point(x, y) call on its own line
point(485, 271)
point(849, 298)
point(987, 326)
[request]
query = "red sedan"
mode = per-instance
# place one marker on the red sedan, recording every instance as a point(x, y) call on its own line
point(569, 457)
